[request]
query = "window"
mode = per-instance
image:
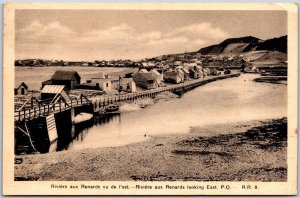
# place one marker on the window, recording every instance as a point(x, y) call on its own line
point(106, 84)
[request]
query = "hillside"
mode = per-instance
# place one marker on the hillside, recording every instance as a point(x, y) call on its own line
point(246, 44)
point(271, 58)
point(228, 45)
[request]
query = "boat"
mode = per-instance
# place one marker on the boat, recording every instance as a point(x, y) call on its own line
point(112, 108)
point(82, 117)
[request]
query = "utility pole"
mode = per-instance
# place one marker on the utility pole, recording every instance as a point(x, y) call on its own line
point(119, 90)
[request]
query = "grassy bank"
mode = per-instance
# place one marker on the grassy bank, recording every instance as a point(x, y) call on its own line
point(245, 151)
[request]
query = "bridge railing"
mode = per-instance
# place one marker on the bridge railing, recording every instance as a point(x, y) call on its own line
point(47, 109)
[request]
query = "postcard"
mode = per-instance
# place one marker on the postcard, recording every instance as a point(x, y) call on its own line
point(150, 99)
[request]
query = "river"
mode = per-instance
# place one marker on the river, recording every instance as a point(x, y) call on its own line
point(224, 101)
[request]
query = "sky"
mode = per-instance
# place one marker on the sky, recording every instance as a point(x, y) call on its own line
point(88, 35)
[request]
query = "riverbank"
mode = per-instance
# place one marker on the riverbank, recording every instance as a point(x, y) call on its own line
point(272, 79)
point(244, 151)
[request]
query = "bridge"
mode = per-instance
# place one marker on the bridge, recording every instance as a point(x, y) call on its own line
point(59, 103)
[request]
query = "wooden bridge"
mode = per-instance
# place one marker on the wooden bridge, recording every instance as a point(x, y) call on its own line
point(24, 114)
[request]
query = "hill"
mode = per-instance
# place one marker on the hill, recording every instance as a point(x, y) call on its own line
point(229, 45)
point(246, 44)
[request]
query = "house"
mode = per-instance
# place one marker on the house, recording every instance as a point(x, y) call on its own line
point(213, 71)
point(70, 79)
point(227, 71)
point(127, 85)
point(158, 76)
point(197, 68)
point(145, 80)
point(174, 76)
point(206, 71)
point(102, 81)
point(49, 92)
point(193, 73)
point(22, 89)
point(186, 73)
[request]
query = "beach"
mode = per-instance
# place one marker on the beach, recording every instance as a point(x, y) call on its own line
point(242, 151)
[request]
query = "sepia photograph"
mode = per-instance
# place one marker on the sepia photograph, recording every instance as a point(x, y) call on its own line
point(195, 100)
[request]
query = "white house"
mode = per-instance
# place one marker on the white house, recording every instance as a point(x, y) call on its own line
point(158, 76)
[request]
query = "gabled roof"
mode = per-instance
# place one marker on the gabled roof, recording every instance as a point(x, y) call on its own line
point(145, 76)
point(22, 84)
point(54, 89)
point(155, 72)
point(185, 70)
point(64, 75)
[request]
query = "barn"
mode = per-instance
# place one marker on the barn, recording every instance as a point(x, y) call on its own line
point(145, 80)
point(70, 79)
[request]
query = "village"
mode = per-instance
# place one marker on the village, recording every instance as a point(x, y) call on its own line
point(102, 84)
point(163, 61)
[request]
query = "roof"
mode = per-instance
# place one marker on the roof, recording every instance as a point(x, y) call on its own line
point(185, 70)
point(64, 75)
point(146, 76)
point(21, 85)
point(154, 71)
point(192, 70)
point(53, 89)
point(126, 80)
point(170, 73)
point(140, 71)
point(101, 75)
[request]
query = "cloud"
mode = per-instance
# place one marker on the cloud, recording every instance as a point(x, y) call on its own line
point(120, 41)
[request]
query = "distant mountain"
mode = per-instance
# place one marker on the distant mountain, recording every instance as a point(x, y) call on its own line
point(246, 44)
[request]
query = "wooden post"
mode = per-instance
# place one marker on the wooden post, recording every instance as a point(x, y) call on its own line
point(19, 115)
point(29, 114)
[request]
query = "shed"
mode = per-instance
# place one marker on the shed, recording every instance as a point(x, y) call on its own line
point(186, 73)
point(145, 80)
point(70, 79)
point(50, 91)
point(127, 85)
point(173, 77)
point(213, 71)
point(22, 89)
point(193, 73)
point(158, 76)
point(102, 81)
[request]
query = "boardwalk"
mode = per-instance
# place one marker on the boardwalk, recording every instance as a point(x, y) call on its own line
point(45, 110)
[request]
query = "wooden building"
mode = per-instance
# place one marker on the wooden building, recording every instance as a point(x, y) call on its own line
point(158, 76)
point(145, 80)
point(22, 89)
point(100, 81)
point(127, 85)
point(174, 76)
point(70, 79)
point(50, 92)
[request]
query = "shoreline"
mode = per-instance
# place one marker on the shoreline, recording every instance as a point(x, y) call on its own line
point(247, 151)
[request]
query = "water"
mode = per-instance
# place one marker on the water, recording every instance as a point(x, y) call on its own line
point(224, 101)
